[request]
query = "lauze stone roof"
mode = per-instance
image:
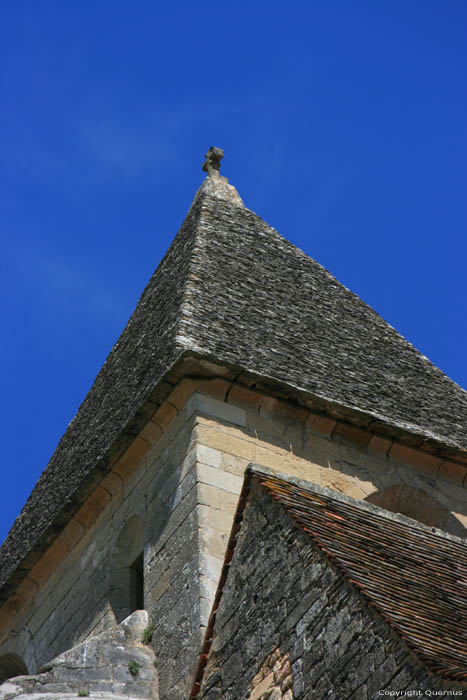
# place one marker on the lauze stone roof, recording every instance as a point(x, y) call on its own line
point(231, 289)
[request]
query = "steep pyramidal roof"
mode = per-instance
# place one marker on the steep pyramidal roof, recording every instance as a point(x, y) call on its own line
point(255, 300)
point(231, 289)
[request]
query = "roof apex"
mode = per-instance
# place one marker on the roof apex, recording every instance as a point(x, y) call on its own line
point(217, 186)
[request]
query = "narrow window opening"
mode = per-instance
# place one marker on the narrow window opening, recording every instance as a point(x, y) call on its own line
point(126, 592)
point(137, 584)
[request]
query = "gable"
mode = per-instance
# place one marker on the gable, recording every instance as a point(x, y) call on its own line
point(343, 589)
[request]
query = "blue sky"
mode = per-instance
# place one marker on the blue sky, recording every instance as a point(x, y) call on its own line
point(343, 125)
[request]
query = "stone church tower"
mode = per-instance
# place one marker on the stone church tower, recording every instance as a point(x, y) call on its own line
point(262, 495)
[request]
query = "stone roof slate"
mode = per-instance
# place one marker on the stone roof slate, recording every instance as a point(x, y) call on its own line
point(257, 301)
point(415, 577)
point(231, 289)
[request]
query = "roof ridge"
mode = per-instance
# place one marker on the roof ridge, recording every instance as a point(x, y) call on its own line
point(129, 375)
point(259, 470)
point(196, 209)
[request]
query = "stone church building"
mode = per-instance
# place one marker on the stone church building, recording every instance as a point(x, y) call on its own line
point(262, 496)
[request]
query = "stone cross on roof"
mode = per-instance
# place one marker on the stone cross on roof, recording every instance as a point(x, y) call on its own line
point(212, 163)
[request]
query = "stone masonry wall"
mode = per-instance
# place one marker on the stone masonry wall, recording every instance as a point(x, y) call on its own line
point(230, 437)
point(289, 626)
point(73, 604)
point(182, 476)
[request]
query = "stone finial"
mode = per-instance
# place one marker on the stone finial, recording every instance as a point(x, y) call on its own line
point(216, 185)
point(212, 163)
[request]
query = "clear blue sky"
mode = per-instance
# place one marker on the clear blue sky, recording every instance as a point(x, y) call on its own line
point(344, 127)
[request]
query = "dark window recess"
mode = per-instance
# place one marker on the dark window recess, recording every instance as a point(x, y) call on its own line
point(11, 665)
point(136, 592)
point(126, 591)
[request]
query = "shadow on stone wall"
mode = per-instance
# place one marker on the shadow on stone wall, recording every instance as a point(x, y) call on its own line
point(416, 504)
point(11, 665)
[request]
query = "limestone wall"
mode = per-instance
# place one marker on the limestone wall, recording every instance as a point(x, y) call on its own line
point(310, 448)
point(74, 601)
point(176, 488)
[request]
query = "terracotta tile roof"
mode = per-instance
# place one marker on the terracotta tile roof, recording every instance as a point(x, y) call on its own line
point(414, 577)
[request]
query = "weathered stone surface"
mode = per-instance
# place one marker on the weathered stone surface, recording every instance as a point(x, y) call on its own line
point(63, 695)
point(186, 487)
point(290, 626)
point(233, 292)
point(9, 690)
point(99, 667)
point(218, 186)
